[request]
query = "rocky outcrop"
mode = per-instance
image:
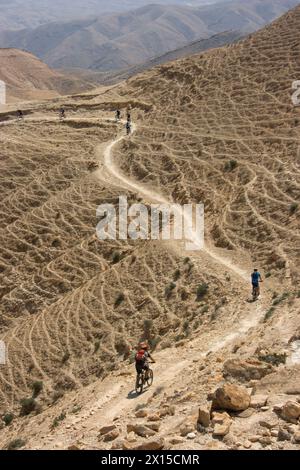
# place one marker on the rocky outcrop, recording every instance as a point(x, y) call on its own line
point(231, 397)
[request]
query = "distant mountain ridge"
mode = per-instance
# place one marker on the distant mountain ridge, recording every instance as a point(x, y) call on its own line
point(120, 41)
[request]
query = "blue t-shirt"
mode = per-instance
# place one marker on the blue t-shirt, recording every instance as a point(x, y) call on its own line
point(255, 277)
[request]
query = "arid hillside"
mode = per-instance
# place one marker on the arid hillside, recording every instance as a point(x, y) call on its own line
point(28, 78)
point(218, 128)
point(223, 129)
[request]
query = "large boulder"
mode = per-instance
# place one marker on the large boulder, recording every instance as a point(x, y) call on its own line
point(246, 370)
point(231, 397)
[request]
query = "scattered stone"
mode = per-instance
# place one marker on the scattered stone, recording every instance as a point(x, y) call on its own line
point(296, 437)
point(186, 428)
point(222, 423)
point(141, 430)
point(117, 445)
point(141, 413)
point(111, 436)
point(167, 410)
point(265, 432)
point(258, 401)
point(73, 447)
point(265, 408)
point(254, 438)
point(204, 416)
point(154, 426)
point(107, 429)
point(154, 444)
point(154, 417)
point(247, 445)
point(231, 397)
point(176, 440)
point(274, 433)
point(283, 435)
point(270, 424)
point(247, 369)
point(291, 411)
point(246, 413)
point(131, 437)
point(191, 435)
point(265, 441)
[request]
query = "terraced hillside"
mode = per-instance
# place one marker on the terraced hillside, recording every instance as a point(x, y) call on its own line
point(224, 130)
point(219, 128)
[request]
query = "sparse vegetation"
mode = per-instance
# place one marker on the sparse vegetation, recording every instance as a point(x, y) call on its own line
point(176, 275)
point(37, 387)
point(269, 313)
point(57, 395)
point(169, 289)
point(8, 418)
point(204, 309)
point(274, 358)
point(120, 298)
point(230, 165)
point(76, 409)
point(16, 444)
point(116, 257)
point(96, 347)
point(65, 357)
point(58, 420)
point(268, 275)
point(201, 291)
point(280, 299)
point(294, 208)
point(28, 405)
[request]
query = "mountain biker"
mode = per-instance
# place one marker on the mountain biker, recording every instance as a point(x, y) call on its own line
point(142, 358)
point(62, 113)
point(256, 279)
point(128, 127)
point(20, 114)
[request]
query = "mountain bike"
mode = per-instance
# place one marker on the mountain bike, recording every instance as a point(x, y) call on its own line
point(143, 378)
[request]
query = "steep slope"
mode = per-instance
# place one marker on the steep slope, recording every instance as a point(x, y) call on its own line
point(114, 42)
point(28, 78)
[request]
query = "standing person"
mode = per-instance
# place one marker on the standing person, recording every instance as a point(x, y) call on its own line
point(128, 115)
point(118, 115)
point(255, 280)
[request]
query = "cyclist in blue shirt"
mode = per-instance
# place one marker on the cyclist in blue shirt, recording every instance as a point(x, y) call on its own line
point(256, 279)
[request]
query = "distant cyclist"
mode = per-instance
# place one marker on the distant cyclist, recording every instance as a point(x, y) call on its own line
point(142, 358)
point(118, 115)
point(128, 127)
point(256, 279)
point(62, 114)
point(20, 115)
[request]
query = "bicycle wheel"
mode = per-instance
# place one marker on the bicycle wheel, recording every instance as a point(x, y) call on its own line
point(150, 377)
point(139, 384)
